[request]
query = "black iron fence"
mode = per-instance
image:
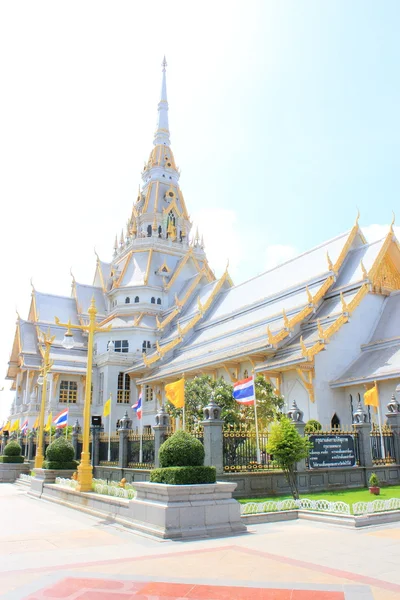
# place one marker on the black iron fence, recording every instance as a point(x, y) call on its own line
point(240, 450)
point(382, 445)
point(141, 450)
point(103, 449)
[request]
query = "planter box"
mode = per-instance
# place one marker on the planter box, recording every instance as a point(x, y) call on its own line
point(186, 511)
point(9, 472)
point(43, 476)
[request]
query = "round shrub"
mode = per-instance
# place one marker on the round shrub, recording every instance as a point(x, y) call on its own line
point(181, 450)
point(312, 426)
point(12, 449)
point(61, 451)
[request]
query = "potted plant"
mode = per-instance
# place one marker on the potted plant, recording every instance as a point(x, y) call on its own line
point(374, 485)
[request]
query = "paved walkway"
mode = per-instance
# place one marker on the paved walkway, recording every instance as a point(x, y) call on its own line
point(49, 551)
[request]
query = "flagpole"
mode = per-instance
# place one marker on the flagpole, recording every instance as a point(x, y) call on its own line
point(256, 423)
point(380, 422)
point(184, 406)
point(109, 431)
point(141, 428)
point(66, 428)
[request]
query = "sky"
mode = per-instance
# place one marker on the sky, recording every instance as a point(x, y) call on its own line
point(284, 122)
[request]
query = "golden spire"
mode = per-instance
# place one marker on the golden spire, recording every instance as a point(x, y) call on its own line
point(393, 222)
point(330, 264)
point(303, 347)
point(285, 320)
point(309, 296)
point(364, 271)
point(270, 336)
point(345, 308)
point(320, 330)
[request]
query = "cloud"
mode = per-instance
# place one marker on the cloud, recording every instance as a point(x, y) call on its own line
point(376, 232)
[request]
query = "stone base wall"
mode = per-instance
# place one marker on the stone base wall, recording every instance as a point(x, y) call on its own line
point(117, 473)
point(9, 472)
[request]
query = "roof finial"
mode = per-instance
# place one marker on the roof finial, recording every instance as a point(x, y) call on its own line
point(72, 275)
point(162, 132)
point(357, 218)
point(32, 286)
point(393, 222)
point(164, 64)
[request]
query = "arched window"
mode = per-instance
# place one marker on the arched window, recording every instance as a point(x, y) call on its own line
point(136, 299)
point(158, 300)
point(153, 300)
point(146, 345)
point(127, 300)
point(159, 231)
point(245, 374)
point(149, 231)
point(335, 422)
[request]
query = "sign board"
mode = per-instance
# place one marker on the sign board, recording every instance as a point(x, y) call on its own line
point(330, 451)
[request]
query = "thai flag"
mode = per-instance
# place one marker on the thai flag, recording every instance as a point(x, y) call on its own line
point(24, 427)
point(61, 420)
point(244, 391)
point(138, 406)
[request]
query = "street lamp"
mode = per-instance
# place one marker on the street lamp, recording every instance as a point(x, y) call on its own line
point(85, 469)
point(47, 340)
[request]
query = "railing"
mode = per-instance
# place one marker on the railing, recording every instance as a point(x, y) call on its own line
point(334, 447)
point(240, 450)
point(148, 450)
point(198, 433)
point(103, 449)
point(385, 455)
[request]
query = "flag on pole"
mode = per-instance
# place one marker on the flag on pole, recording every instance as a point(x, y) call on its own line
point(48, 424)
point(371, 397)
point(175, 393)
point(36, 423)
point(24, 427)
point(244, 391)
point(107, 408)
point(61, 420)
point(7, 426)
point(15, 426)
point(138, 406)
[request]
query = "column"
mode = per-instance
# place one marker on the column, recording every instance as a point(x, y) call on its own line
point(76, 430)
point(31, 435)
point(125, 425)
point(213, 436)
point(393, 421)
point(160, 432)
point(363, 428)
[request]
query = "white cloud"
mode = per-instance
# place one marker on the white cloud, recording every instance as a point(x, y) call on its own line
point(376, 232)
point(276, 254)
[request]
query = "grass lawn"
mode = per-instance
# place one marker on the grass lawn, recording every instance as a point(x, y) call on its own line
point(349, 496)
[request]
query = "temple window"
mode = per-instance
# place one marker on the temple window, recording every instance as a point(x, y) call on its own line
point(121, 346)
point(148, 393)
point(159, 231)
point(149, 231)
point(124, 388)
point(245, 374)
point(127, 300)
point(158, 300)
point(146, 345)
point(68, 392)
point(153, 300)
point(136, 299)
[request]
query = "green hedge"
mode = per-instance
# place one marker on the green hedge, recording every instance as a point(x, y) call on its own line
point(56, 465)
point(181, 450)
point(184, 475)
point(12, 449)
point(12, 459)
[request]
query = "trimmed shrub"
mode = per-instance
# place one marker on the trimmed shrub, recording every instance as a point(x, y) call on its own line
point(184, 475)
point(181, 450)
point(312, 426)
point(12, 449)
point(374, 481)
point(12, 459)
point(60, 455)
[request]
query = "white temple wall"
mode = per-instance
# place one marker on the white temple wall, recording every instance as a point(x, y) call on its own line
point(386, 390)
point(341, 351)
point(294, 389)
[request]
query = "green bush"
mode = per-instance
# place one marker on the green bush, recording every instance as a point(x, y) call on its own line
point(12, 459)
point(184, 475)
point(312, 426)
point(374, 481)
point(52, 464)
point(181, 450)
point(12, 449)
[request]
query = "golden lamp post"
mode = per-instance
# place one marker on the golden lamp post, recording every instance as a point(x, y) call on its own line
point(85, 469)
point(42, 380)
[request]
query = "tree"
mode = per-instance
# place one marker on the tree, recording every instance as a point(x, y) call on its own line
point(269, 404)
point(287, 448)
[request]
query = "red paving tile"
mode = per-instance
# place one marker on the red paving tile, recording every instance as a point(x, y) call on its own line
point(315, 595)
point(97, 595)
point(169, 590)
point(211, 592)
point(67, 587)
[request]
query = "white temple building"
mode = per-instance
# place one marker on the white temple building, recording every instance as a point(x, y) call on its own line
point(322, 326)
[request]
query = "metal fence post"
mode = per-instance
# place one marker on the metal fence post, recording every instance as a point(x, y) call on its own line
point(393, 421)
point(363, 429)
point(160, 432)
point(125, 425)
point(213, 436)
point(96, 444)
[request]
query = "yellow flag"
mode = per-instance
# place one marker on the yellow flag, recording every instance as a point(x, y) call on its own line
point(7, 426)
point(36, 423)
point(175, 393)
point(15, 426)
point(107, 408)
point(371, 397)
point(49, 421)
